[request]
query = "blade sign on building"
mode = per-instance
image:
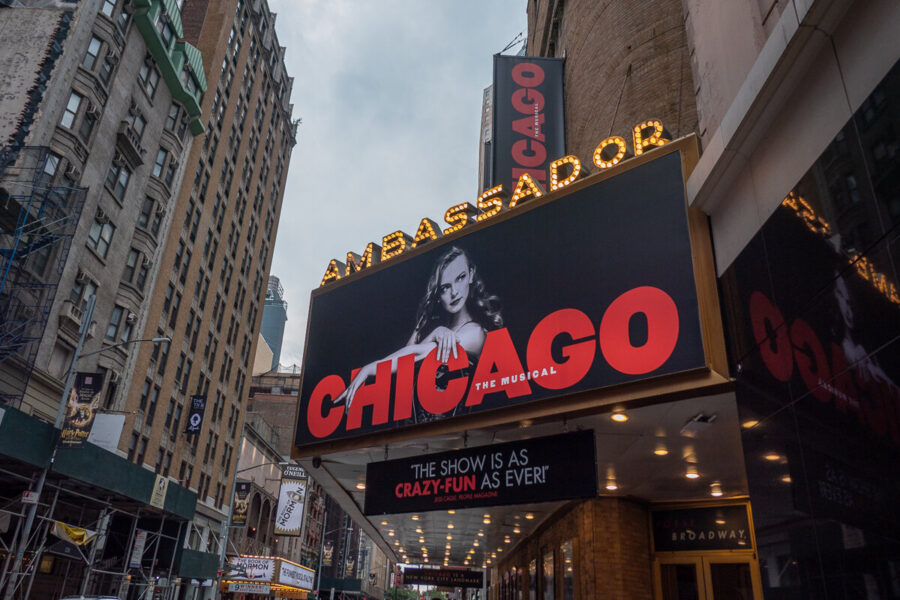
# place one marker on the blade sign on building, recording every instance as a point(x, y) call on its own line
point(195, 417)
point(291, 500)
point(529, 120)
point(241, 504)
point(81, 407)
point(535, 470)
point(592, 288)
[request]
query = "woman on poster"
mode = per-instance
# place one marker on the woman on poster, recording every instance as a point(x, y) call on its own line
point(455, 312)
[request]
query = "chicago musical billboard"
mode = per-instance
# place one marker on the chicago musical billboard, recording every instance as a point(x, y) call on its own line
point(592, 289)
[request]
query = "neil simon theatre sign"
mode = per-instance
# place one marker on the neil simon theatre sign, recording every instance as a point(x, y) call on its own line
point(591, 288)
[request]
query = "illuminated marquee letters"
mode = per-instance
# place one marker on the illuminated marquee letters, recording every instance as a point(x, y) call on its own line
point(608, 153)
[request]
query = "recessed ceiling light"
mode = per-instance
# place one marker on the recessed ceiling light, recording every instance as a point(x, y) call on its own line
point(361, 485)
point(480, 534)
point(449, 525)
point(611, 485)
point(516, 530)
point(772, 456)
point(449, 537)
point(529, 516)
point(487, 521)
point(749, 423)
point(415, 517)
point(785, 478)
point(384, 522)
point(391, 533)
point(419, 530)
point(660, 449)
point(691, 472)
point(451, 512)
point(619, 417)
point(715, 489)
point(475, 543)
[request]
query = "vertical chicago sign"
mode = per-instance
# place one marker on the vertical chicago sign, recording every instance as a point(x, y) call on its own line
point(528, 119)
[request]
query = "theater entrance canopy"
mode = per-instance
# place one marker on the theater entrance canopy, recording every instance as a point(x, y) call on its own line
point(586, 314)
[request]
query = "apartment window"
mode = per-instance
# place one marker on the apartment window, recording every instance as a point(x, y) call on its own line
point(115, 321)
point(93, 51)
point(174, 316)
point(87, 124)
point(149, 78)
point(132, 445)
point(117, 179)
point(151, 407)
point(142, 449)
point(100, 237)
point(150, 218)
point(106, 66)
point(160, 162)
point(167, 464)
point(165, 31)
point(164, 357)
point(179, 369)
point(130, 265)
point(137, 123)
point(184, 267)
point(145, 393)
point(176, 420)
point(171, 169)
point(172, 119)
point(71, 111)
point(143, 271)
point(109, 6)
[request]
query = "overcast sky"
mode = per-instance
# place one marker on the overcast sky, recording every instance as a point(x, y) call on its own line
point(390, 97)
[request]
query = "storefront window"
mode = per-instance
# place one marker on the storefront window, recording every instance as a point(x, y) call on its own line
point(532, 580)
point(548, 576)
point(568, 559)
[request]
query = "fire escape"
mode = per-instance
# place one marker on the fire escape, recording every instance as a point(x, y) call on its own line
point(37, 221)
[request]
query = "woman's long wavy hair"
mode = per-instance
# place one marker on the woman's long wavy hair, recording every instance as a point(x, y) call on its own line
point(484, 309)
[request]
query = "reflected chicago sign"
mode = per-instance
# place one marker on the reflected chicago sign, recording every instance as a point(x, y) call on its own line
point(591, 290)
point(536, 470)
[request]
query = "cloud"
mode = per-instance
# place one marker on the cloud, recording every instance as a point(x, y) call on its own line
point(390, 97)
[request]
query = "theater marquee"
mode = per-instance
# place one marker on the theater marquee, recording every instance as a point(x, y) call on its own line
point(588, 288)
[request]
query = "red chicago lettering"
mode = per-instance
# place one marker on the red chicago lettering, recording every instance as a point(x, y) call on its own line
point(662, 331)
point(529, 153)
point(776, 352)
point(814, 371)
point(324, 425)
point(433, 400)
point(528, 74)
point(498, 360)
point(376, 394)
point(579, 356)
point(527, 102)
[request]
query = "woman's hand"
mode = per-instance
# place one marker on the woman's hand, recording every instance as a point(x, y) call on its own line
point(355, 384)
point(446, 343)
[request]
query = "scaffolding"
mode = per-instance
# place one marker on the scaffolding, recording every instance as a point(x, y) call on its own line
point(38, 217)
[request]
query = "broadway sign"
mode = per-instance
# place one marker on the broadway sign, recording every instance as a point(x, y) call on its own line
point(588, 289)
point(442, 577)
point(536, 470)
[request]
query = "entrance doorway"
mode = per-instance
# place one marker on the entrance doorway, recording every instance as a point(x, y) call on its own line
point(707, 576)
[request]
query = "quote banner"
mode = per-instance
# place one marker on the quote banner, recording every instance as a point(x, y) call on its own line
point(535, 470)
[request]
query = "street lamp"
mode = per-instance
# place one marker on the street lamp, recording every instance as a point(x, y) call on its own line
point(70, 377)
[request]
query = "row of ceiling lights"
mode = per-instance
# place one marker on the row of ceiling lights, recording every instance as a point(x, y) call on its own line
point(447, 547)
